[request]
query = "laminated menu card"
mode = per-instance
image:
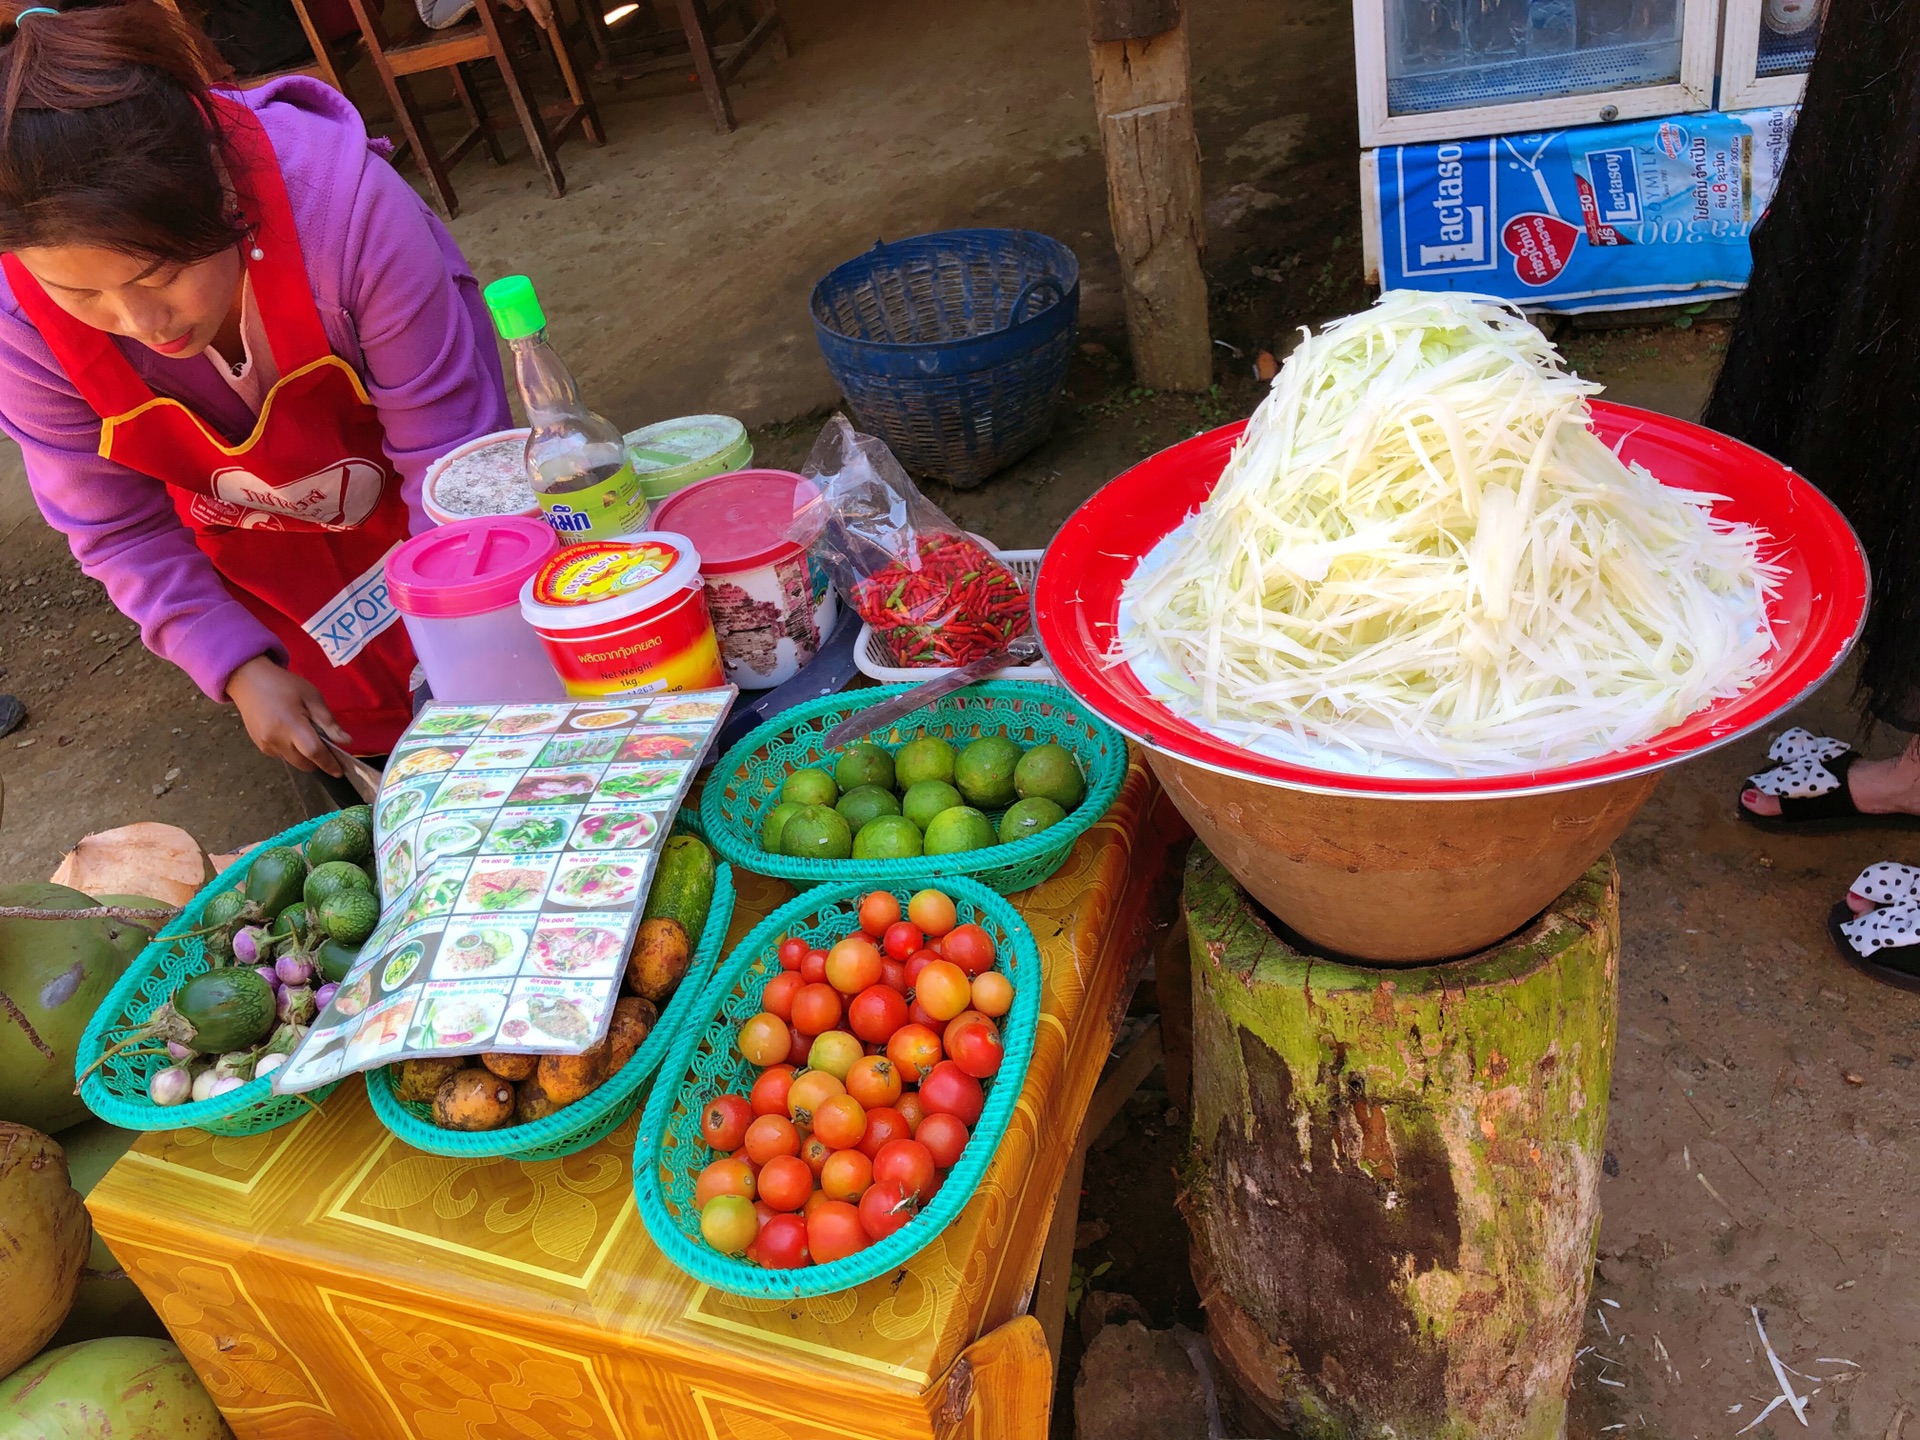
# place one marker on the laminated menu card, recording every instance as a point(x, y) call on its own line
point(516, 844)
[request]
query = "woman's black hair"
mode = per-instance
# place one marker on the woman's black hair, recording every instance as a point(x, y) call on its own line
point(107, 137)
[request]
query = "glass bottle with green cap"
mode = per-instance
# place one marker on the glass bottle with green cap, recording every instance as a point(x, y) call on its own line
point(575, 458)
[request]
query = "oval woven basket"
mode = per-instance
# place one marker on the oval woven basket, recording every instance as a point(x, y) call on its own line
point(705, 1063)
point(591, 1118)
point(117, 1091)
point(746, 783)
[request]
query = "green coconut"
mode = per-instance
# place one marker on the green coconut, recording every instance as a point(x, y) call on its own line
point(129, 1388)
point(43, 1243)
point(53, 974)
point(108, 1302)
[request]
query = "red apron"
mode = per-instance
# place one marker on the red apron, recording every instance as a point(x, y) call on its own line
point(298, 519)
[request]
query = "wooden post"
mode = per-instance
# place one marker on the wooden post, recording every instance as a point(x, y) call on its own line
point(1394, 1187)
point(1143, 96)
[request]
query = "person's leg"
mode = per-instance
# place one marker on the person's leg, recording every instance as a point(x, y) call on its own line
point(1878, 787)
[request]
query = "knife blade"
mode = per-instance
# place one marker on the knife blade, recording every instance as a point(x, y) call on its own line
point(878, 717)
point(362, 776)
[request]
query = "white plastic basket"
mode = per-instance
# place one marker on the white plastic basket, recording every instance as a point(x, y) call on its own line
point(871, 659)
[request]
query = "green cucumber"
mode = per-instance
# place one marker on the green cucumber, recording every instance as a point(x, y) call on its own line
point(231, 1008)
point(682, 886)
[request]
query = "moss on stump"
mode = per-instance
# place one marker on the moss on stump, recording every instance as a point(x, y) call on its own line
point(1394, 1185)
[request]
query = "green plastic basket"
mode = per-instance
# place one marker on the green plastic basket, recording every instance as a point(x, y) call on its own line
point(591, 1118)
point(746, 783)
point(705, 1063)
point(117, 1091)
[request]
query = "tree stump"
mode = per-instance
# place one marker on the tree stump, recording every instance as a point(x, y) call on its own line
point(1394, 1183)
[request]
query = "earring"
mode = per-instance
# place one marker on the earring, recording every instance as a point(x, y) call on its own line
point(257, 253)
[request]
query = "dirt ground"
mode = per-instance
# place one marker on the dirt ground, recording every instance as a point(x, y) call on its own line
point(1763, 1145)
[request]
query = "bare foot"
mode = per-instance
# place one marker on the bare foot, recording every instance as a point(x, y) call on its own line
point(1878, 787)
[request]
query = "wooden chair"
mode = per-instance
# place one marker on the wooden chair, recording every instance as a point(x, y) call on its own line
point(654, 50)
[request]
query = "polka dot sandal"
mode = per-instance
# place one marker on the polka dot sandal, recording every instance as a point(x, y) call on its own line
point(1809, 779)
point(1884, 942)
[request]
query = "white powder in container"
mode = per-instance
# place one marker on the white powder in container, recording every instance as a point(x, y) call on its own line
point(489, 481)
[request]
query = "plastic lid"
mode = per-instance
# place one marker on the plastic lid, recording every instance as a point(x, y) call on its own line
point(673, 453)
point(738, 521)
point(516, 309)
point(604, 580)
point(468, 567)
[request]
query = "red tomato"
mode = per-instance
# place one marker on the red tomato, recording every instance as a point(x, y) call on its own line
point(846, 1177)
point(816, 1008)
point(724, 1177)
point(949, 1090)
point(763, 1039)
point(763, 1212)
point(777, 998)
point(873, 1081)
point(932, 911)
point(884, 1209)
point(724, 1121)
point(969, 947)
point(840, 1121)
point(939, 1180)
point(992, 994)
point(914, 1050)
point(772, 1135)
point(853, 965)
point(783, 1243)
point(810, 1090)
point(816, 1153)
point(893, 975)
point(884, 1123)
point(813, 968)
point(876, 1012)
point(958, 1023)
point(834, 1230)
point(912, 1110)
point(903, 937)
point(943, 1135)
point(917, 962)
point(798, 1047)
point(817, 1199)
point(792, 951)
point(907, 1163)
point(943, 990)
point(785, 1182)
point(769, 1093)
point(877, 912)
point(975, 1047)
point(920, 1015)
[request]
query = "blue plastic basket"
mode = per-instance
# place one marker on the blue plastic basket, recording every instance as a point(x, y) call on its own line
point(952, 347)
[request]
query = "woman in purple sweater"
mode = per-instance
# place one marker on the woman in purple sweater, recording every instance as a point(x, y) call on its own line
point(231, 340)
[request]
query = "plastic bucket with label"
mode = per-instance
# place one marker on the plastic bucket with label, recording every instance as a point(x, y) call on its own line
point(625, 617)
point(457, 588)
point(772, 610)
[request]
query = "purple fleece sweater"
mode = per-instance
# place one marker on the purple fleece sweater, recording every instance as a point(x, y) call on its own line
point(398, 304)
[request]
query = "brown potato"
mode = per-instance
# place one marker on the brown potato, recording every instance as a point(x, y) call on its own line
point(532, 1102)
point(661, 954)
point(633, 1021)
point(473, 1099)
point(567, 1078)
point(419, 1081)
point(511, 1067)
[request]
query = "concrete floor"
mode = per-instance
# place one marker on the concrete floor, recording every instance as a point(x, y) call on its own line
point(1763, 1135)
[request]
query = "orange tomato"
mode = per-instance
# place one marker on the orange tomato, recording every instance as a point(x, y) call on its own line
point(877, 911)
point(816, 1153)
point(943, 990)
point(808, 1092)
point(763, 1039)
point(847, 1176)
point(777, 998)
point(785, 1182)
point(933, 911)
point(853, 965)
point(771, 1136)
point(840, 1122)
point(912, 1109)
point(834, 1232)
point(992, 994)
point(873, 1080)
point(816, 1008)
point(914, 1050)
point(769, 1093)
point(724, 1177)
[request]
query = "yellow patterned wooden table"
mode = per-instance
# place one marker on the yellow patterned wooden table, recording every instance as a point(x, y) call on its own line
point(330, 1283)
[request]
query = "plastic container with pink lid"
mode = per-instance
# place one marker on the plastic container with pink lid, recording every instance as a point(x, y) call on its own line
point(457, 588)
point(772, 609)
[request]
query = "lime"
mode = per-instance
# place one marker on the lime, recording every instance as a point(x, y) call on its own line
point(961, 828)
point(984, 772)
point(926, 757)
point(332, 877)
point(810, 787)
point(1029, 817)
point(864, 763)
point(1050, 772)
point(817, 833)
point(349, 916)
point(890, 837)
point(926, 799)
point(866, 802)
point(776, 822)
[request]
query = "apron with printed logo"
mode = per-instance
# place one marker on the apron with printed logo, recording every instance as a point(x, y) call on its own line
point(299, 518)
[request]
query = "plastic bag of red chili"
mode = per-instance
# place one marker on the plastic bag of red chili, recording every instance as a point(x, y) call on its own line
point(935, 595)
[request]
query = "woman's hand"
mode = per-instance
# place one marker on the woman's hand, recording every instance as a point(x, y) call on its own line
point(285, 715)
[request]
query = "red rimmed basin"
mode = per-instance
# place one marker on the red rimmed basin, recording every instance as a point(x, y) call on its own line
point(1403, 870)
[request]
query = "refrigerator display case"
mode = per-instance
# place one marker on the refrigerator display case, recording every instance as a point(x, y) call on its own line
point(1441, 69)
point(1765, 49)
